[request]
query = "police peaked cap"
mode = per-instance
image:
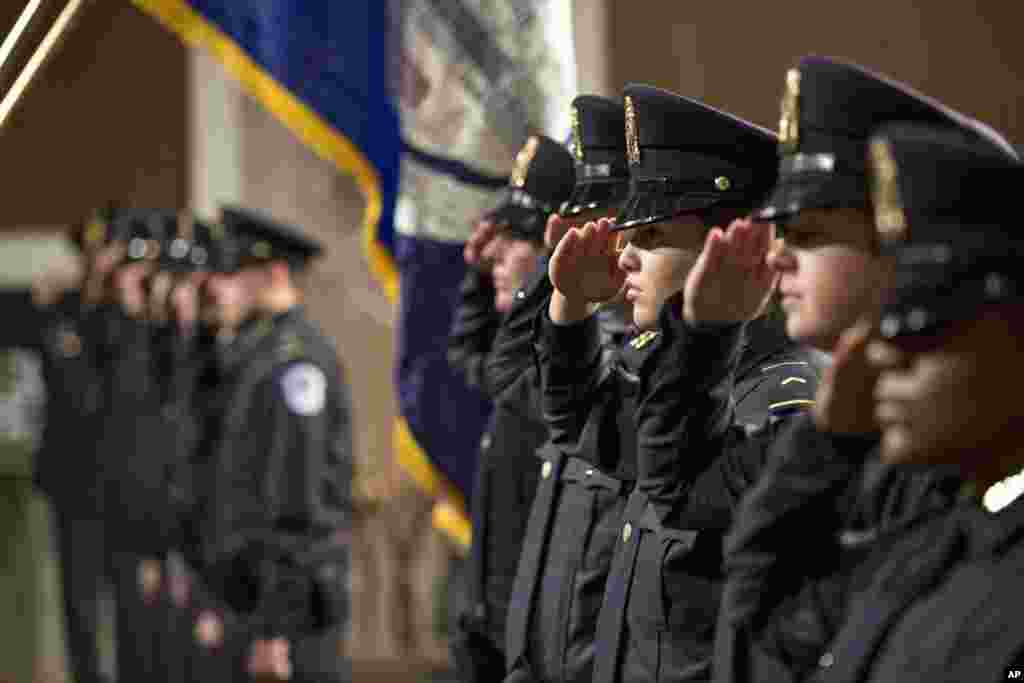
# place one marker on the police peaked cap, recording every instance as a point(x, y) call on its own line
point(686, 157)
point(260, 238)
point(599, 147)
point(829, 110)
point(541, 181)
point(945, 210)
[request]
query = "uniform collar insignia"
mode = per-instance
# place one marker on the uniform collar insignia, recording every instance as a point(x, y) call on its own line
point(643, 339)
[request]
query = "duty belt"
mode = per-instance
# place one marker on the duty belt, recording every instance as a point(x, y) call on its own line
point(556, 467)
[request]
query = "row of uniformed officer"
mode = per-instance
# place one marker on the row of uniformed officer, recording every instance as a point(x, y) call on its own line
point(214, 422)
point(707, 511)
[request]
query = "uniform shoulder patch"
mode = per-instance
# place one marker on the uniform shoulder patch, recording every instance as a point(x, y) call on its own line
point(305, 389)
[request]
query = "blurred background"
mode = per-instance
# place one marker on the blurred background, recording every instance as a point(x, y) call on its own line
point(135, 108)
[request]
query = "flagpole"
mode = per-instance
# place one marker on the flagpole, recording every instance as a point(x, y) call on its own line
point(43, 52)
point(27, 14)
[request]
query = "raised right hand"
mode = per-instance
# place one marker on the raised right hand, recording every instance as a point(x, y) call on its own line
point(584, 268)
point(483, 233)
point(845, 403)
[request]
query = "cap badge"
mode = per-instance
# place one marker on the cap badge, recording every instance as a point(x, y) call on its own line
point(523, 161)
point(789, 121)
point(722, 183)
point(632, 137)
point(94, 231)
point(577, 138)
point(890, 221)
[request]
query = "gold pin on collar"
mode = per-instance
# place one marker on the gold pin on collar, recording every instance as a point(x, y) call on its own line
point(523, 161)
point(890, 220)
point(632, 134)
point(644, 339)
point(789, 121)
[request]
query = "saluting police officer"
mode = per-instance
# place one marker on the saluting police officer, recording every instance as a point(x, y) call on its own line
point(939, 601)
point(823, 488)
point(59, 319)
point(135, 444)
point(491, 342)
point(273, 470)
point(693, 167)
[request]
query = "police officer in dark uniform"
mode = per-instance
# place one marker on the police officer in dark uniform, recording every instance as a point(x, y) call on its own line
point(60, 325)
point(822, 488)
point(938, 601)
point(184, 347)
point(694, 167)
point(135, 444)
point(491, 342)
point(269, 529)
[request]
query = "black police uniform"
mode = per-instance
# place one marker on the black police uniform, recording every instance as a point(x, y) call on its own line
point(495, 353)
point(781, 605)
point(273, 475)
point(183, 353)
point(661, 601)
point(587, 472)
point(136, 451)
point(63, 333)
point(937, 601)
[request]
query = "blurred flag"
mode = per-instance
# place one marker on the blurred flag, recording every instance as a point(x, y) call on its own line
point(320, 67)
point(473, 79)
point(425, 102)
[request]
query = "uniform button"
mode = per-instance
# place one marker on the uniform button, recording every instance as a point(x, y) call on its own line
point(545, 470)
point(827, 660)
point(521, 294)
point(590, 473)
point(480, 611)
point(485, 442)
point(627, 531)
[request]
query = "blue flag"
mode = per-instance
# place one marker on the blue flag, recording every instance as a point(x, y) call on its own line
point(320, 66)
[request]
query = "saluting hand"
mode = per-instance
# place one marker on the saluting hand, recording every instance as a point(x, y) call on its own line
point(555, 230)
point(845, 403)
point(474, 251)
point(584, 268)
point(731, 281)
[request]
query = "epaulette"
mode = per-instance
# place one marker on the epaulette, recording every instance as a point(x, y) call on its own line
point(643, 339)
